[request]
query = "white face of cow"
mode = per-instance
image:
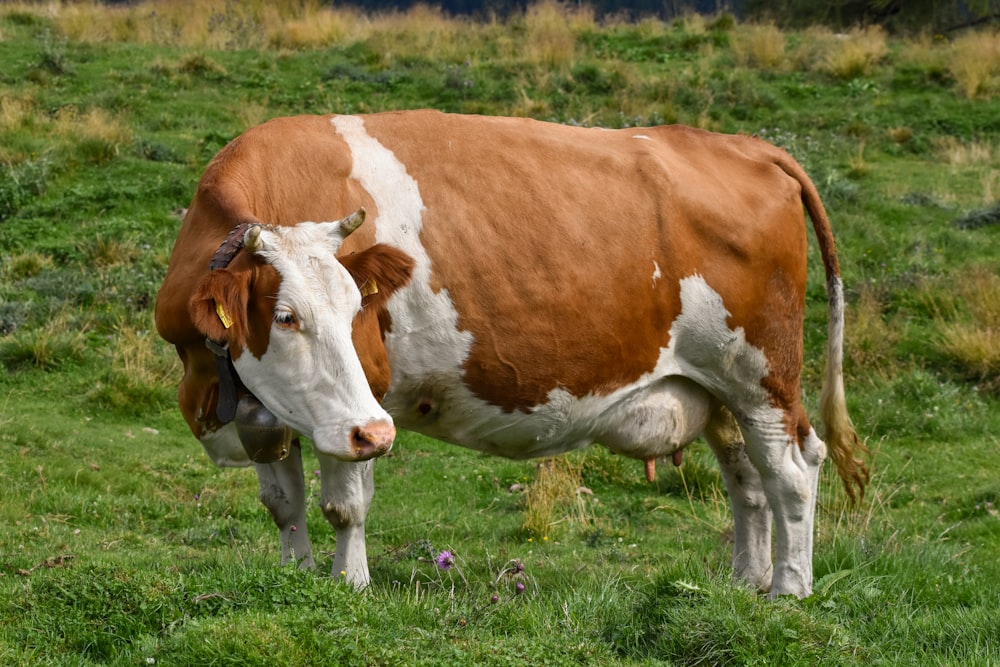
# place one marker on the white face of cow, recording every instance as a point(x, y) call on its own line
point(310, 375)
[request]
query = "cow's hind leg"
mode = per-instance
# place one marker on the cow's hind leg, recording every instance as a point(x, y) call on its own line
point(282, 490)
point(347, 491)
point(790, 475)
point(751, 512)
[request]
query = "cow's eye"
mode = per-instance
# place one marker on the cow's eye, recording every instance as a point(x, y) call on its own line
point(285, 318)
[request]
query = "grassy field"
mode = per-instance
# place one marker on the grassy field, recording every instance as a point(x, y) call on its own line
point(120, 542)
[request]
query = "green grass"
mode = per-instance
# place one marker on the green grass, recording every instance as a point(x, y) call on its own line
point(120, 542)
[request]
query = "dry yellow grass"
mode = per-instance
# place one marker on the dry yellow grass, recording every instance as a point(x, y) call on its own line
point(24, 265)
point(96, 126)
point(553, 501)
point(423, 32)
point(759, 46)
point(956, 152)
point(141, 360)
point(974, 62)
point(968, 315)
point(322, 28)
point(17, 113)
point(550, 33)
point(870, 347)
point(856, 53)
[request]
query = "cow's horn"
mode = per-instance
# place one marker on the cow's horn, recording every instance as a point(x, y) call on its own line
point(352, 222)
point(252, 240)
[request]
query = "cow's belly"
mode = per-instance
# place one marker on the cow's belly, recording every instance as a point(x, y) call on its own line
point(651, 418)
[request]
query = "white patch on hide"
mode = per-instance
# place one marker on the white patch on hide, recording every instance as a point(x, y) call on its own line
point(425, 341)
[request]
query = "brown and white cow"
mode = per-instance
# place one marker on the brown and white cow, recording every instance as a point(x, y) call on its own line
point(518, 287)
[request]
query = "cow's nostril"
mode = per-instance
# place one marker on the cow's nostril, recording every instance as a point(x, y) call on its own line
point(373, 439)
point(361, 437)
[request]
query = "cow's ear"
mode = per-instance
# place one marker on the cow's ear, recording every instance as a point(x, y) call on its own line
point(218, 306)
point(379, 271)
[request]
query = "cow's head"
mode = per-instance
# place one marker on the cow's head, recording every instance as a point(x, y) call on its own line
point(286, 306)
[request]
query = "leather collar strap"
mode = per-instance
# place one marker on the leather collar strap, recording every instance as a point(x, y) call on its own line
point(225, 407)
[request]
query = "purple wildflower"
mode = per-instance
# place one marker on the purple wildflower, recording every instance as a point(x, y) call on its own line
point(445, 560)
point(519, 588)
point(495, 599)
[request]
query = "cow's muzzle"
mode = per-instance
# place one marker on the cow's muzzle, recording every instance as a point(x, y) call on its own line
point(373, 439)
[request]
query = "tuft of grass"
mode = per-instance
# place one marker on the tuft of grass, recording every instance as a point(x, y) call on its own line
point(759, 46)
point(856, 53)
point(554, 499)
point(96, 136)
point(959, 153)
point(107, 252)
point(24, 265)
point(199, 64)
point(322, 28)
point(968, 323)
point(17, 113)
point(550, 33)
point(870, 347)
point(140, 372)
point(421, 33)
point(59, 342)
point(20, 183)
point(974, 62)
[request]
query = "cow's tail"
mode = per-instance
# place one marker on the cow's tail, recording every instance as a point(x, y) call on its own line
point(843, 444)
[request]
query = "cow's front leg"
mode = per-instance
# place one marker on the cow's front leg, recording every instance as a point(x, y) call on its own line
point(751, 512)
point(283, 492)
point(346, 495)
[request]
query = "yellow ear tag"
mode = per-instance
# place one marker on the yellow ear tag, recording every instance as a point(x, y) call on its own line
point(226, 322)
point(370, 287)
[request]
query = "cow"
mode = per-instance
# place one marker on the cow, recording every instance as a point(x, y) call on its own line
point(518, 287)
